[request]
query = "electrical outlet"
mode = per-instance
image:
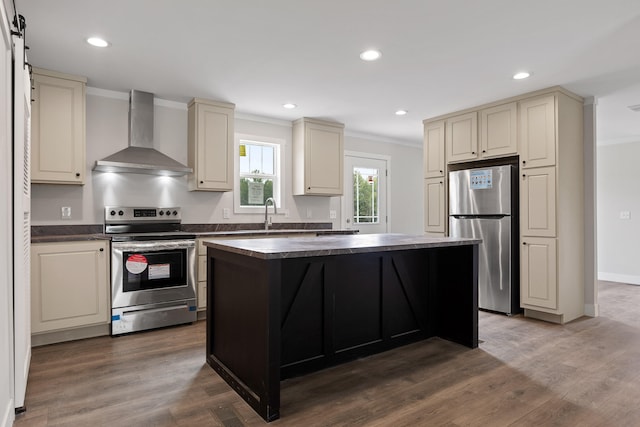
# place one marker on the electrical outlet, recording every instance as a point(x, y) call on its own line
point(308, 213)
point(625, 214)
point(332, 214)
point(65, 212)
point(226, 213)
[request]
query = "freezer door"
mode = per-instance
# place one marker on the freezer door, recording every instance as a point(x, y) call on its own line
point(481, 191)
point(494, 258)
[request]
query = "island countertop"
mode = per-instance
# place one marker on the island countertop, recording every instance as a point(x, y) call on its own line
point(298, 247)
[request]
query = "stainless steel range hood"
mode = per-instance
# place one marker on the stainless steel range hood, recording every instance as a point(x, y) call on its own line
point(140, 156)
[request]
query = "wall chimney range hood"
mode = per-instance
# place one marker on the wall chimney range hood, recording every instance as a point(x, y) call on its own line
point(140, 156)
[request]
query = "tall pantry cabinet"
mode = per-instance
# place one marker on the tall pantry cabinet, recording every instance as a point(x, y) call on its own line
point(544, 130)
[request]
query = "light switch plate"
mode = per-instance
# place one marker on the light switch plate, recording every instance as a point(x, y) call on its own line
point(625, 214)
point(332, 214)
point(226, 213)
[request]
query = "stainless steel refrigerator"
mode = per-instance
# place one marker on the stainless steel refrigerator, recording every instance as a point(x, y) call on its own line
point(483, 203)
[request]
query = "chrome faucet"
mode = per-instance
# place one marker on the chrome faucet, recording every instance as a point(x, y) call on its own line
point(266, 209)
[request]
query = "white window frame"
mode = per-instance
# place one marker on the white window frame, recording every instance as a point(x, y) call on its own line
point(279, 179)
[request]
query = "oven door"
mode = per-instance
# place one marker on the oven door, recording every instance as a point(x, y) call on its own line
point(148, 272)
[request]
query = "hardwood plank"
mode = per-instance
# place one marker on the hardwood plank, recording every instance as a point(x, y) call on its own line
point(524, 373)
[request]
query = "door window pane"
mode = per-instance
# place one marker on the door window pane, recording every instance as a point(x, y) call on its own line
point(365, 196)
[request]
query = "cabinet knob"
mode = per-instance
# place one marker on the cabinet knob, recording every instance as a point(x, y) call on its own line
point(524, 243)
point(440, 171)
point(524, 162)
point(441, 182)
point(308, 188)
point(524, 175)
point(101, 249)
point(201, 182)
point(484, 151)
point(77, 174)
point(473, 152)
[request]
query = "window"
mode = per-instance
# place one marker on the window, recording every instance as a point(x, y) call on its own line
point(365, 196)
point(258, 173)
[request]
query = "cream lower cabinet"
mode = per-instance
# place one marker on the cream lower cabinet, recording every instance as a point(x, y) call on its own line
point(69, 285)
point(434, 205)
point(538, 275)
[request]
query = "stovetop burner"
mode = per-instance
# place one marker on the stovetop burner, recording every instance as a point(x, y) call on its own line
point(144, 223)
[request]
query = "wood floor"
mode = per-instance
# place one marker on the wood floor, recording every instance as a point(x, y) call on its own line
point(524, 373)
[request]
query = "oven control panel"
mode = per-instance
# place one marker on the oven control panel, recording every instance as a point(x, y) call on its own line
point(120, 214)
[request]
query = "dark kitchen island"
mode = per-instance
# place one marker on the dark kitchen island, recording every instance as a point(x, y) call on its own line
point(282, 307)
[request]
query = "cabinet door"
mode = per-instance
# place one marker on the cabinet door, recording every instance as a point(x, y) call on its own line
point(434, 205)
point(498, 135)
point(434, 161)
point(323, 159)
point(538, 275)
point(462, 137)
point(211, 147)
point(538, 202)
point(538, 132)
point(70, 285)
point(58, 130)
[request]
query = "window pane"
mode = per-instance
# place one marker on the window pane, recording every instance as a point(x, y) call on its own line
point(365, 196)
point(257, 159)
point(254, 191)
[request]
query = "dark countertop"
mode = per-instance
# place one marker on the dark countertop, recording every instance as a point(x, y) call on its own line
point(69, 233)
point(297, 247)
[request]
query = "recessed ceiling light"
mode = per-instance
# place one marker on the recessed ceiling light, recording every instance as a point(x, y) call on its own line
point(370, 55)
point(97, 42)
point(289, 106)
point(401, 112)
point(521, 75)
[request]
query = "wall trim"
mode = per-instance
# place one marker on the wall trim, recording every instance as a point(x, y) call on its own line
point(378, 138)
point(619, 278)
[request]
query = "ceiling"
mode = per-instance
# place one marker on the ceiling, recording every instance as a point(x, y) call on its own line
point(438, 56)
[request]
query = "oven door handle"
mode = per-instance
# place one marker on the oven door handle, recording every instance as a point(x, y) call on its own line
point(155, 310)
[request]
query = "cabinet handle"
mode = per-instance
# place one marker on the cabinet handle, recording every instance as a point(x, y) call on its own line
point(77, 174)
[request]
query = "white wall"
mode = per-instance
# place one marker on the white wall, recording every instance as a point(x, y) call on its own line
point(618, 190)
point(107, 121)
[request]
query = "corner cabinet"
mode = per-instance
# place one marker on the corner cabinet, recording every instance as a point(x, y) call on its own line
point(210, 145)
point(318, 155)
point(58, 138)
point(69, 285)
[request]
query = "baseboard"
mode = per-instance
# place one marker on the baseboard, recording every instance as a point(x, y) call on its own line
point(69, 335)
point(620, 278)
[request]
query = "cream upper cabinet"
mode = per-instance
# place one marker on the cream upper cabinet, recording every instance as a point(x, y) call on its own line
point(434, 205)
point(538, 202)
point(210, 145)
point(318, 155)
point(69, 285)
point(462, 137)
point(498, 130)
point(434, 160)
point(58, 128)
point(538, 132)
point(538, 275)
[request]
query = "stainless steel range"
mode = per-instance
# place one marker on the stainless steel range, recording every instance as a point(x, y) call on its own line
point(153, 268)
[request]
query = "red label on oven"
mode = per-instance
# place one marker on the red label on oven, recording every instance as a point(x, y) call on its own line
point(136, 263)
